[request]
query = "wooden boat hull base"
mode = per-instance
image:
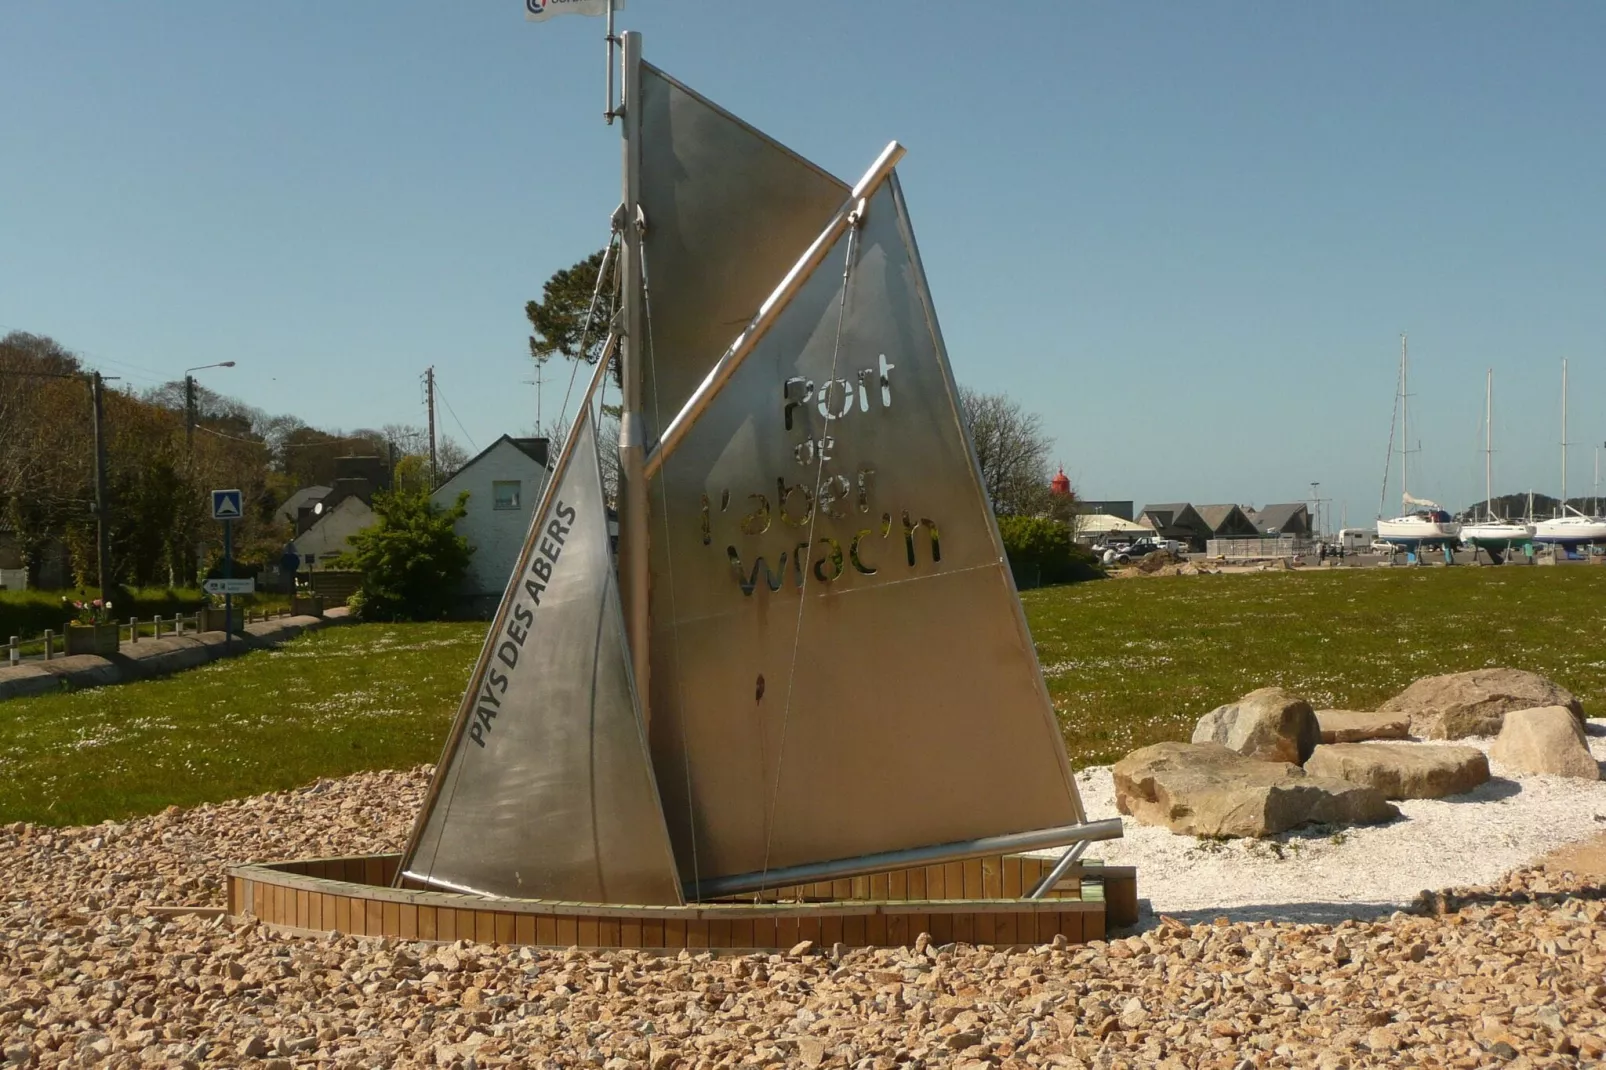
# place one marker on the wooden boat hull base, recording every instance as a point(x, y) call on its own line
point(976, 902)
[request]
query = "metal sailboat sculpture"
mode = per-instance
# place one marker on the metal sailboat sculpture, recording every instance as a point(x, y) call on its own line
point(819, 666)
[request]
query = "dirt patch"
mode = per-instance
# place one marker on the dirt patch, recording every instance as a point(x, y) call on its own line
point(1585, 860)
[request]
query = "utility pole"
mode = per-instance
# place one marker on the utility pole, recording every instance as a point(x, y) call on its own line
point(189, 416)
point(102, 535)
point(429, 389)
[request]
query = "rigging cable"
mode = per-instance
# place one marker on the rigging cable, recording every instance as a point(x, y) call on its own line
point(442, 395)
point(1388, 459)
point(669, 563)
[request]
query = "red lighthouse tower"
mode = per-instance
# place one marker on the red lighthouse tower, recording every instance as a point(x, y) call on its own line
point(1060, 485)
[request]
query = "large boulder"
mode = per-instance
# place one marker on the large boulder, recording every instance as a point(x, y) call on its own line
point(1462, 704)
point(1356, 726)
point(1402, 770)
point(1546, 740)
point(1205, 789)
point(1272, 724)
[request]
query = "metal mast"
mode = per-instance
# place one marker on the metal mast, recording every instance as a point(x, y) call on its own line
point(1488, 443)
point(1405, 421)
point(633, 530)
point(1563, 510)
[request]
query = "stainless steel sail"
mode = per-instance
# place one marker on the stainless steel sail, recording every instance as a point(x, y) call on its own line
point(727, 211)
point(546, 788)
point(840, 665)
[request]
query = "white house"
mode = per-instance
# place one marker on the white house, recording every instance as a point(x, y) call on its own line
point(504, 484)
point(326, 538)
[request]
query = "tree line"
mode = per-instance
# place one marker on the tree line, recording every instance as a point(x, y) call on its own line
point(163, 458)
point(160, 467)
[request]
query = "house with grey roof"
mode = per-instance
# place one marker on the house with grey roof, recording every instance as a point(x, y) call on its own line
point(1289, 518)
point(1179, 521)
point(1227, 521)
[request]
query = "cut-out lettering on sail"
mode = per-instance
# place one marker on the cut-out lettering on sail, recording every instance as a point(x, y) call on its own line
point(546, 788)
point(840, 665)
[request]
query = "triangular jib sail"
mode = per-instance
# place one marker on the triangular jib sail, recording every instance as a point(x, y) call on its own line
point(545, 790)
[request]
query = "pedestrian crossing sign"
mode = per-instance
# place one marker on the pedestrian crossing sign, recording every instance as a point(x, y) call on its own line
point(226, 505)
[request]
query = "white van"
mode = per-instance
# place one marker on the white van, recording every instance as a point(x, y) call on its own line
point(1355, 540)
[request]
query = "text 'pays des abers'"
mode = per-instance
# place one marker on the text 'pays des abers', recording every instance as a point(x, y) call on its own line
point(782, 517)
point(549, 548)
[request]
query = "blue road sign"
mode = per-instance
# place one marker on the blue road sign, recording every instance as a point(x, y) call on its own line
point(227, 505)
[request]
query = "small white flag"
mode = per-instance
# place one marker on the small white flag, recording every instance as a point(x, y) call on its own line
point(541, 10)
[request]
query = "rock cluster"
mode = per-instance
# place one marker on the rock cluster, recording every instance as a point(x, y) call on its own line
point(1197, 789)
point(93, 971)
point(1205, 789)
point(1461, 704)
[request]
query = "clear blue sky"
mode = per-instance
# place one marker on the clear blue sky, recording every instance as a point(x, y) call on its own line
point(1188, 235)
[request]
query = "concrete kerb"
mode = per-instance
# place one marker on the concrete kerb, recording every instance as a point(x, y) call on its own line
point(150, 658)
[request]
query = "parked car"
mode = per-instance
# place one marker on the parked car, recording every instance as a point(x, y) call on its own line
point(1125, 555)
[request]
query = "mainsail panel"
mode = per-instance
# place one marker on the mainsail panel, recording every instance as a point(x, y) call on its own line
point(546, 789)
point(728, 210)
point(839, 661)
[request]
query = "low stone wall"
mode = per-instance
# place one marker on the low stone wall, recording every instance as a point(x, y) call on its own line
point(151, 657)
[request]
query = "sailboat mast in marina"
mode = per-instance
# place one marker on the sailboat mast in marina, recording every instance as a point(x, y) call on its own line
point(1491, 533)
point(1425, 523)
point(810, 662)
point(1569, 528)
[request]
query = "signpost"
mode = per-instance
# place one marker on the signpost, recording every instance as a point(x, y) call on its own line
point(228, 506)
point(229, 587)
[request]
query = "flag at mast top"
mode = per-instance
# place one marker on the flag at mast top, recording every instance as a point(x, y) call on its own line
point(541, 10)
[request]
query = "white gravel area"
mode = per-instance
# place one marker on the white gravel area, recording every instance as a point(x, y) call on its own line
point(1327, 875)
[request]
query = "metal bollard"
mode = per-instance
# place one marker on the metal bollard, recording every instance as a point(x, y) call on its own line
point(133, 629)
point(48, 636)
point(16, 651)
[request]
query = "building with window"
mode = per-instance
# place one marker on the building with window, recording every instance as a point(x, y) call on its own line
point(504, 483)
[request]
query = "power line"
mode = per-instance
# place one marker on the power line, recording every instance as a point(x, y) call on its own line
point(442, 395)
point(237, 438)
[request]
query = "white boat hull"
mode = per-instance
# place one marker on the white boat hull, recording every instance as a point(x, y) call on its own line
point(1412, 531)
point(1497, 536)
point(1571, 530)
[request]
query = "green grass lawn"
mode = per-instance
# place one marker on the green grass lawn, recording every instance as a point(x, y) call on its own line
point(330, 703)
point(1128, 662)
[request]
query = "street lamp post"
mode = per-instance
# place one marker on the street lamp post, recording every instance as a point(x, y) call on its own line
point(189, 402)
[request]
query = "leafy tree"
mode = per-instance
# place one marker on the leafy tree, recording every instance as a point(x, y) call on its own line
point(412, 474)
point(559, 318)
point(1012, 449)
point(1041, 551)
point(411, 558)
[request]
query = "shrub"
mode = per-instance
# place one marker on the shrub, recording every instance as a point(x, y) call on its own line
point(411, 559)
point(1041, 552)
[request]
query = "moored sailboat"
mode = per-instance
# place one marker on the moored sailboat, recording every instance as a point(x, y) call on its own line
point(1492, 533)
point(1424, 522)
point(1572, 527)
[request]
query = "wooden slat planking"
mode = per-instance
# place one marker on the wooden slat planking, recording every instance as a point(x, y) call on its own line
point(884, 911)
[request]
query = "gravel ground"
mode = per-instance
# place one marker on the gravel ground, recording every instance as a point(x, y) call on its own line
point(93, 972)
point(1361, 872)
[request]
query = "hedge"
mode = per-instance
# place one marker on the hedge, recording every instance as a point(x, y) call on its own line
point(1042, 552)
